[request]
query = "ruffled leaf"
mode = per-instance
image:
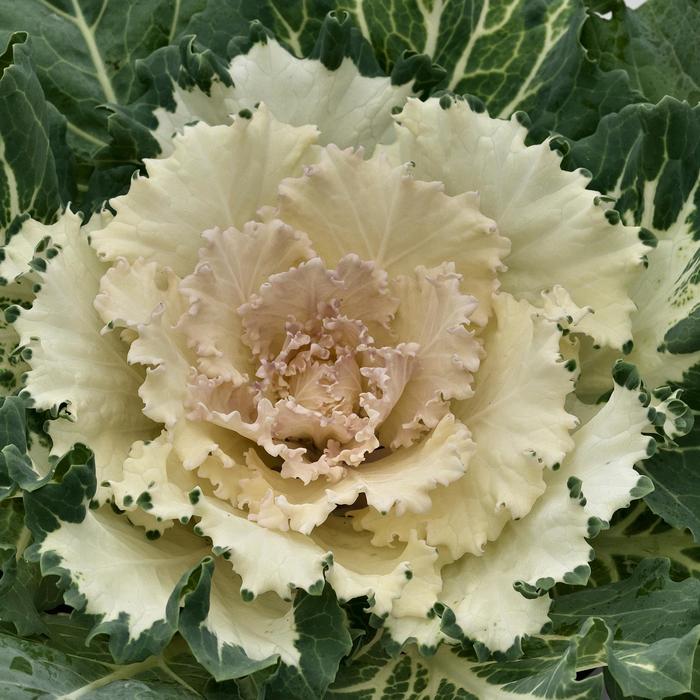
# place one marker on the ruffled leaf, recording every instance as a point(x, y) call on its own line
point(436, 315)
point(297, 562)
point(403, 481)
point(497, 597)
point(392, 220)
point(74, 367)
point(521, 383)
point(156, 220)
point(154, 480)
point(350, 109)
point(562, 244)
point(110, 564)
point(379, 574)
point(647, 159)
point(232, 266)
point(610, 443)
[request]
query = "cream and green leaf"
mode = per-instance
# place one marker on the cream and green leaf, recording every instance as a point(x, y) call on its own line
point(646, 158)
point(186, 592)
point(514, 55)
point(35, 185)
point(613, 626)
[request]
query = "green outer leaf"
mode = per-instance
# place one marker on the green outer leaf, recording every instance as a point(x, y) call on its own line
point(656, 44)
point(674, 471)
point(12, 530)
point(24, 594)
point(129, 126)
point(636, 534)
point(64, 665)
point(655, 623)
point(658, 144)
point(222, 20)
point(570, 93)
point(660, 670)
point(15, 467)
point(23, 591)
point(30, 143)
point(323, 641)
point(548, 670)
point(65, 497)
point(17, 437)
point(615, 692)
point(85, 52)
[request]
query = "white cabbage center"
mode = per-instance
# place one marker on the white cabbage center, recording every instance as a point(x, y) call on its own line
point(326, 369)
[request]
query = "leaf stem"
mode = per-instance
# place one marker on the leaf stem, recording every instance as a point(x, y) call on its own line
point(120, 673)
point(95, 56)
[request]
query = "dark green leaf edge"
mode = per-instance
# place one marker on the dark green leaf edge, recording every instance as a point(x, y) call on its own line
point(30, 125)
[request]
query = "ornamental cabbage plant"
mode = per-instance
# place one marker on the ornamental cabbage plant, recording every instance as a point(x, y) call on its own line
point(331, 372)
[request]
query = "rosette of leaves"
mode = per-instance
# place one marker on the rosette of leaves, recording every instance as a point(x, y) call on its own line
point(355, 387)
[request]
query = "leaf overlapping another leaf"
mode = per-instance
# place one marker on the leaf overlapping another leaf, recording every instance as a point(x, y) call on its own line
point(574, 72)
point(513, 54)
point(655, 624)
point(62, 508)
point(647, 158)
point(85, 53)
point(636, 534)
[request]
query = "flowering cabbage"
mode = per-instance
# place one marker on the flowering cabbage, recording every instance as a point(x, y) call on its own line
point(349, 377)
